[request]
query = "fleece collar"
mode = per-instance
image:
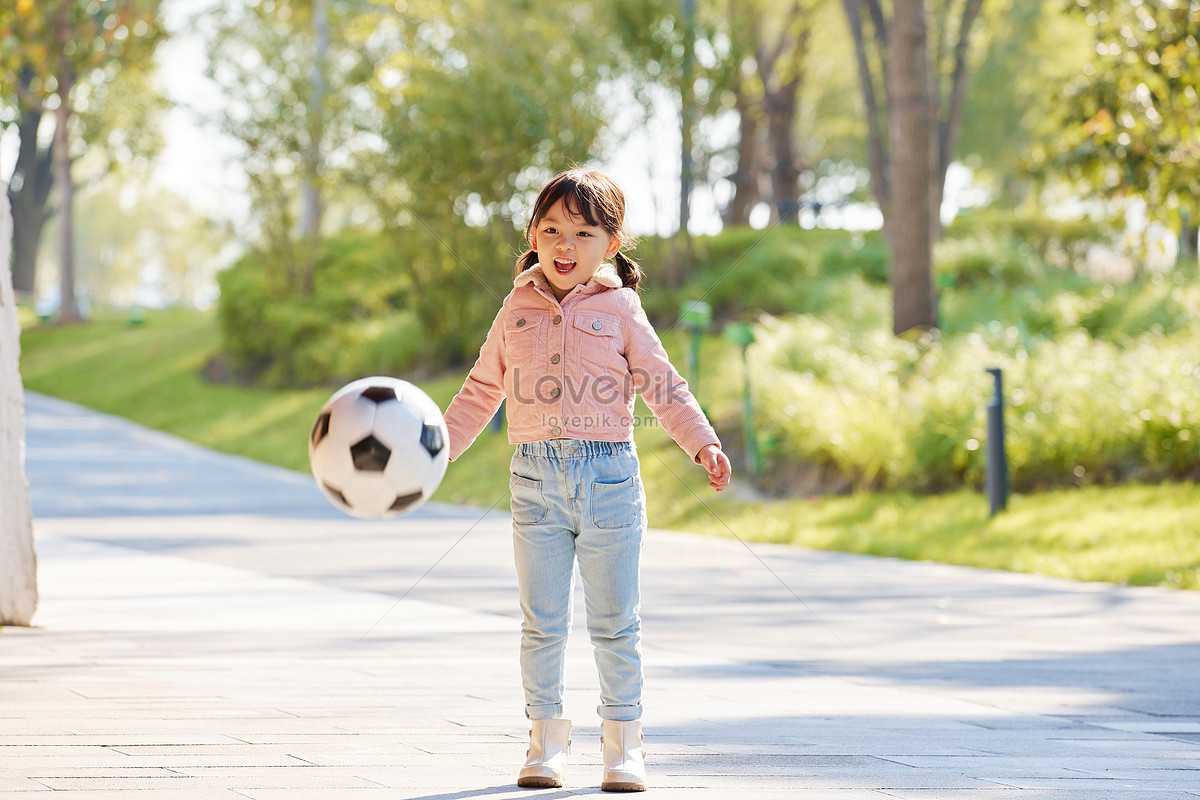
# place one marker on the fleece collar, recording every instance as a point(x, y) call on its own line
point(605, 276)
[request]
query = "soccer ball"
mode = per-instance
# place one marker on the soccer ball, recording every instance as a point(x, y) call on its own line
point(379, 447)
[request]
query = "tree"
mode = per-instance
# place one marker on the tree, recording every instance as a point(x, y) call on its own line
point(138, 240)
point(18, 568)
point(55, 54)
point(943, 59)
point(293, 72)
point(441, 120)
point(653, 46)
point(775, 43)
point(22, 29)
point(1130, 121)
point(475, 120)
point(29, 192)
point(1010, 109)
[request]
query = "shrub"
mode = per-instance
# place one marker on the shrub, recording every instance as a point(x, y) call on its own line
point(877, 412)
point(783, 270)
point(989, 261)
point(352, 323)
point(1061, 243)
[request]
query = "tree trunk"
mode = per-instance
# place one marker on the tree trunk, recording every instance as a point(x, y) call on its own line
point(313, 205)
point(746, 191)
point(1189, 232)
point(911, 129)
point(780, 104)
point(18, 564)
point(32, 179)
point(684, 252)
point(781, 69)
point(68, 310)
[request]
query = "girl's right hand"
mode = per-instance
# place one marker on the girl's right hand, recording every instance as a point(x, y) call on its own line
point(713, 459)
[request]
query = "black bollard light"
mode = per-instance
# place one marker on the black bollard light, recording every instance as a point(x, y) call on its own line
point(997, 462)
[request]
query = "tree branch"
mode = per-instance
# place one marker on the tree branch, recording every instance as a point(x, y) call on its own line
point(950, 118)
point(877, 153)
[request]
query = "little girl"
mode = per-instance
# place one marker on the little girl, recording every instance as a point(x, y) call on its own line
point(568, 349)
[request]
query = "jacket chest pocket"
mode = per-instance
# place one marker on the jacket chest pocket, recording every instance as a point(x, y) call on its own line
point(598, 340)
point(525, 339)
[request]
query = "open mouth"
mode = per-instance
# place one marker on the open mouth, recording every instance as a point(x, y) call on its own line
point(562, 266)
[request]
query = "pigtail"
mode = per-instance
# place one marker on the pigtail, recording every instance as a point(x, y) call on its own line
point(524, 261)
point(628, 269)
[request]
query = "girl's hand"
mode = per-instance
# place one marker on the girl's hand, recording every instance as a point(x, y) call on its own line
point(717, 463)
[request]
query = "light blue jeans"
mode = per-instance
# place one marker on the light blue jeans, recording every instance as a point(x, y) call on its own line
point(579, 500)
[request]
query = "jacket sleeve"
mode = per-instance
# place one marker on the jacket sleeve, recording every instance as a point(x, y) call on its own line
point(662, 387)
point(481, 394)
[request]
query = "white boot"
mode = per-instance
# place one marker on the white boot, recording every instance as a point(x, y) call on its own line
point(624, 767)
point(546, 765)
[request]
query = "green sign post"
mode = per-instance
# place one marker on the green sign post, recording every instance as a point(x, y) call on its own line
point(694, 316)
point(742, 335)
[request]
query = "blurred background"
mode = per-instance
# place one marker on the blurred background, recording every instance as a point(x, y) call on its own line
point(869, 203)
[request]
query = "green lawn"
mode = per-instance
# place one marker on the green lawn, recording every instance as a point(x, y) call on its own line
point(151, 373)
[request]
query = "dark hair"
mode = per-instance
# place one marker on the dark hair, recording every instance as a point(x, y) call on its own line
point(599, 200)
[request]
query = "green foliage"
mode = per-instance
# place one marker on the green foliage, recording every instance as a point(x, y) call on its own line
point(93, 40)
point(784, 270)
point(1009, 105)
point(87, 65)
point(1102, 378)
point(1102, 386)
point(291, 72)
point(1128, 123)
point(355, 322)
point(985, 261)
point(370, 310)
point(1038, 239)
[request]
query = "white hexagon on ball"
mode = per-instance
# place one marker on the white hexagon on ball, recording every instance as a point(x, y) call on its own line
point(379, 447)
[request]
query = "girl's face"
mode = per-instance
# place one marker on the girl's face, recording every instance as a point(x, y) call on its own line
point(569, 249)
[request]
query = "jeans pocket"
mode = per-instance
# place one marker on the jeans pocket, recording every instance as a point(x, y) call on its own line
point(616, 505)
point(528, 504)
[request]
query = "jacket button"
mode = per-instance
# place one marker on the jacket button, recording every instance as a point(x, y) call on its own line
point(520, 323)
point(554, 359)
point(556, 431)
point(597, 325)
point(557, 319)
point(555, 392)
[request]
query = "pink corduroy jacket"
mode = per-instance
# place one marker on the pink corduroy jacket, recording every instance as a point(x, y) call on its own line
point(569, 370)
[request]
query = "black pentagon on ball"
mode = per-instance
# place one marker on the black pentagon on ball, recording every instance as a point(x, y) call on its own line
point(379, 394)
point(370, 455)
point(405, 501)
point(336, 493)
point(432, 439)
point(320, 428)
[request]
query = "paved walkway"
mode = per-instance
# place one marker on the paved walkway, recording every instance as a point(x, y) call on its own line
point(210, 627)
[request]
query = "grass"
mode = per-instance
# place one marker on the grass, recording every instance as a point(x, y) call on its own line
point(151, 373)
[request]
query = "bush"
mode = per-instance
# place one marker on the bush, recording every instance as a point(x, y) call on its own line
point(877, 412)
point(987, 261)
point(1060, 243)
point(353, 322)
point(784, 270)
point(399, 302)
